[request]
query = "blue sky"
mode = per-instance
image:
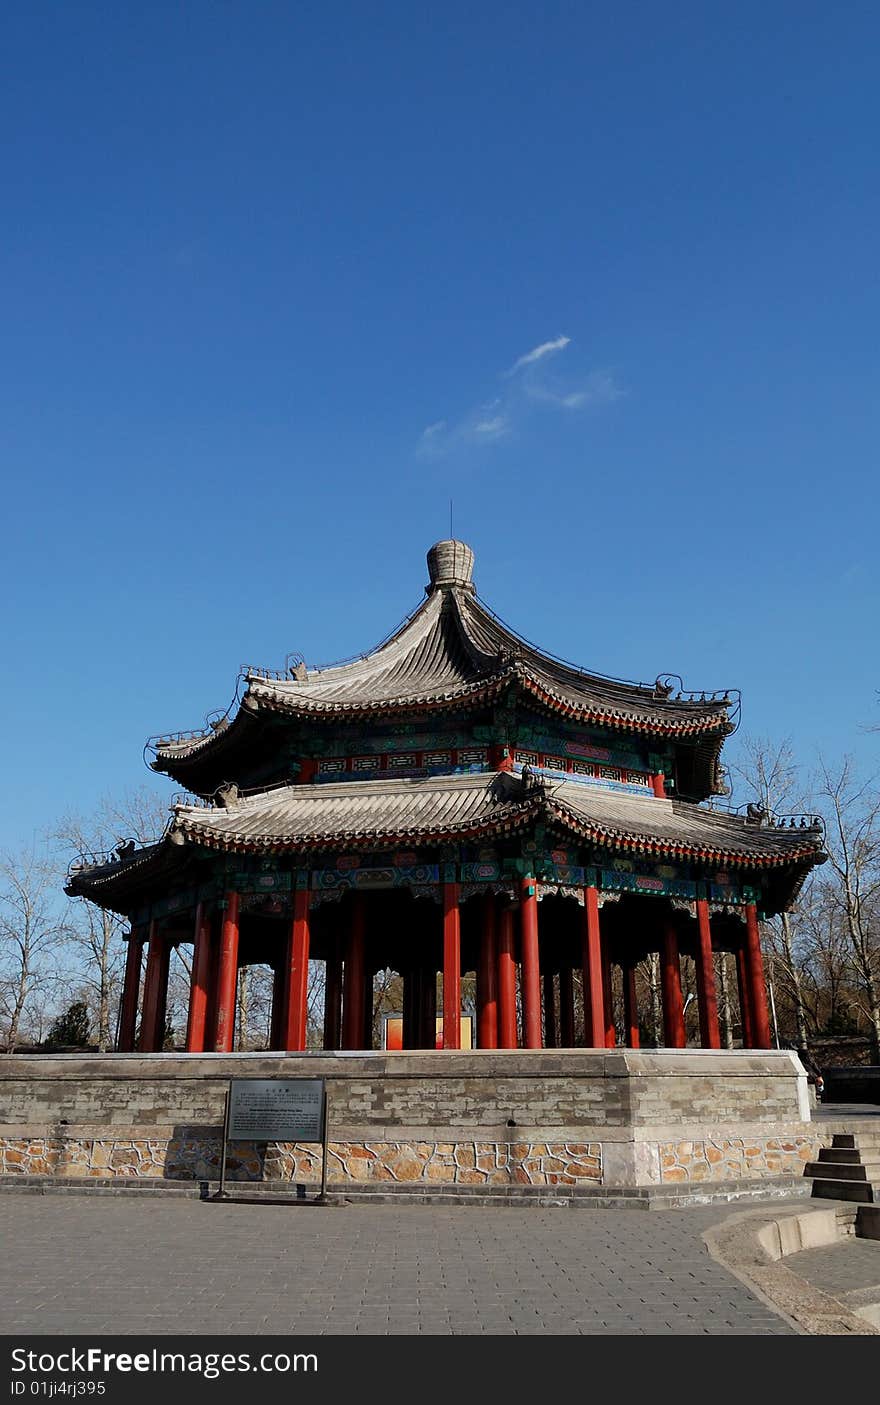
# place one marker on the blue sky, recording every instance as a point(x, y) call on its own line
point(272, 276)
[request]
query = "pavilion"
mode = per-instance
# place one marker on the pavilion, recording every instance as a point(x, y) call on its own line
point(455, 801)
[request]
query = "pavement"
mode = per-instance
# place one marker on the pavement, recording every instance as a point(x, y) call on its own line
point(74, 1264)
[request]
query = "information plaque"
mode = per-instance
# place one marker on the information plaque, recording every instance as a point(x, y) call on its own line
point(276, 1109)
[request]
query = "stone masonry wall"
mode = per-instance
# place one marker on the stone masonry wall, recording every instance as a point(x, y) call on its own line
point(197, 1157)
point(554, 1117)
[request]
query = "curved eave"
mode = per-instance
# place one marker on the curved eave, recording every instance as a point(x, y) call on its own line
point(174, 760)
point(632, 842)
point(119, 885)
point(485, 691)
point(506, 820)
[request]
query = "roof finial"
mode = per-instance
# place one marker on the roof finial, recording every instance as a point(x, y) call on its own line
point(450, 563)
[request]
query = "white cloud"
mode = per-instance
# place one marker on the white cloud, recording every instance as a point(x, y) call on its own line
point(600, 388)
point(492, 428)
point(538, 353)
point(500, 417)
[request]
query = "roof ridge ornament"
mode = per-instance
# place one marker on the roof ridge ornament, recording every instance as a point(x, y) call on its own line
point(227, 795)
point(450, 564)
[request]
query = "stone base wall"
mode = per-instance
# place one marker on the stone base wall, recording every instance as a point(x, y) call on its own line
point(536, 1118)
point(197, 1157)
point(738, 1158)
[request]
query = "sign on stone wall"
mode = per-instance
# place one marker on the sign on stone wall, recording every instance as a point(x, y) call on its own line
point(276, 1109)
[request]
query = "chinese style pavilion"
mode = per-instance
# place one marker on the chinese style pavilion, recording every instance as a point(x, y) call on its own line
point(455, 801)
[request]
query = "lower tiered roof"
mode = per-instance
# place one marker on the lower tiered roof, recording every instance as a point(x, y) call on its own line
point(304, 820)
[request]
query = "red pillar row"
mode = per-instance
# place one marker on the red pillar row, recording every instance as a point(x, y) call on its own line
point(149, 1014)
point(673, 1006)
point(298, 972)
point(594, 999)
point(353, 979)
point(199, 981)
point(506, 981)
point(745, 1003)
point(707, 999)
point(130, 991)
point(487, 978)
point(610, 1039)
point(332, 999)
point(756, 993)
point(227, 977)
point(531, 973)
point(451, 967)
point(630, 1006)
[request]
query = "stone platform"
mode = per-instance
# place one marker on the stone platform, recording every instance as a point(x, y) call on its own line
point(575, 1118)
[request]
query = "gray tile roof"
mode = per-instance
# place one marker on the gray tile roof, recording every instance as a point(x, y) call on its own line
point(364, 813)
point(453, 651)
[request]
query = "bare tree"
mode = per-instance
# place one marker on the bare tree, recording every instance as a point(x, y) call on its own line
point(95, 933)
point(852, 888)
point(31, 931)
point(770, 776)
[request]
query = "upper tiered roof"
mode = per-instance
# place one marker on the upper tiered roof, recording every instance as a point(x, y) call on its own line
point(452, 654)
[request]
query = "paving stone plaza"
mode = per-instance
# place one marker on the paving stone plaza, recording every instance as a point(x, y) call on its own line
point(269, 1269)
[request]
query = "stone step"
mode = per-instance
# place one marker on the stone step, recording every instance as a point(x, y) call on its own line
point(827, 1189)
point(446, 1194)
point(94, 1185)
point(841, 1155)
point(858, 1141)
point(844, 1171)
point(868, 1222)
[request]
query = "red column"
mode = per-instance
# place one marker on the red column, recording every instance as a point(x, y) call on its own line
point(594, 1000)
point(673, 1005)
point(630, 1005)
point(658, 785)
point(213, 979)
point(227, 977)
point(531, 974)
point(149, 1014)
point(353, 979)
point(755, 974)
point(608, 997)
point(451, 967)
point(332, 998)
point(298, 972)
point(130, 991)
point(710, 1034)
point(566, 1006)
point(506, 981)
point(487, 979)
point(745, 1004)
point(198, 991)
